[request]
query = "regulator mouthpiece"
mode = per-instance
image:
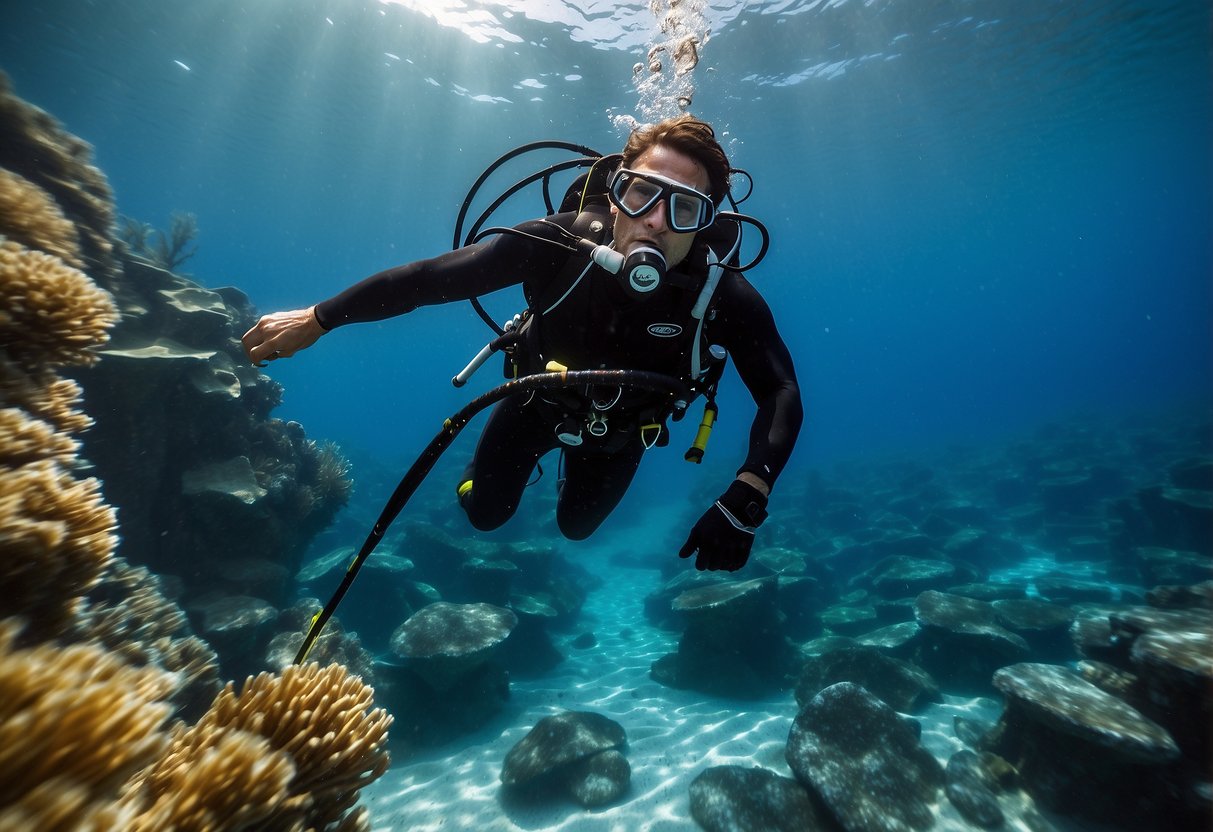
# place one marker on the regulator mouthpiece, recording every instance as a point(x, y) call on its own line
point(643, 270)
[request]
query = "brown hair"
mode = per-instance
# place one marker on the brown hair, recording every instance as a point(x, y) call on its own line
point(688, 135)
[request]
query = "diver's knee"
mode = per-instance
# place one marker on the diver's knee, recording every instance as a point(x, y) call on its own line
point(578, 528)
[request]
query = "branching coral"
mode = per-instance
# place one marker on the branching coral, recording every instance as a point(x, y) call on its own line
point(75, 723)
point(128, 613)
point(24, 439)
point(52, 314)
point(44, 395)
point(332, 483)
point(299, 747)
point(56, 537)
point(167, 251)
point(232, 781)
point(31, 217)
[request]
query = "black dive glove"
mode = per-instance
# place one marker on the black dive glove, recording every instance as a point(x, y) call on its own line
point(725, 532)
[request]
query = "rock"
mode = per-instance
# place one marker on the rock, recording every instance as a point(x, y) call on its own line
point(962, 641)
point(864, 761)
point(780, 561)
point(546, 755)
point(1066, 590)
point(1043, 625)
point(489, 580)
point(850, 621)
point(1198, 596)
point(897, 640)
point(600, 779)
point(1029, 615)
point(1085, 753)
point(971, 732)
point(444, 642)
point(733, 645)
point(234, 614)
point(970, 792)
point(901, 685)
point(585, 641)
point(898, 577)
point(1181, 517)
point(1172, 654)
point(156, 350)
point(232, 479)
point(738, 799)
point(989, 591)
point(1060, 700)
point(1160, 565)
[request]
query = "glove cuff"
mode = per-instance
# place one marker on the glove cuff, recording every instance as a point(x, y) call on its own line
point(745, 503)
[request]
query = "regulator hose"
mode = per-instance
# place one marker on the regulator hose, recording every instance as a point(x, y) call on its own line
point(413, 478)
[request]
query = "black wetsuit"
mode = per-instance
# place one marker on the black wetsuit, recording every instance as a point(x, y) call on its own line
point(596, 327)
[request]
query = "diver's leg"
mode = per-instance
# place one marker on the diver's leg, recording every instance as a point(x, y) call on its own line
point(509, 448)
point(593, 485)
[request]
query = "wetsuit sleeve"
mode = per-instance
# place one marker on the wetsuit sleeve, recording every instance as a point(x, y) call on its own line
point(746, 327)
point(501, 261)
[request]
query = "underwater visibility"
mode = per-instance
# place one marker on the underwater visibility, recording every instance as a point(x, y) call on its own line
point(672, 415)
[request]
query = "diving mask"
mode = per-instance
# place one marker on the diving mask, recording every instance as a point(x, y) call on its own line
point(635, 193)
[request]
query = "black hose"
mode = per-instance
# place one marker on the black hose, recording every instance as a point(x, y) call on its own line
point(450, 429)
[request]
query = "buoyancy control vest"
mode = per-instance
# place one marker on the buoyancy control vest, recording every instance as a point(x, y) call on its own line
point(582, 319)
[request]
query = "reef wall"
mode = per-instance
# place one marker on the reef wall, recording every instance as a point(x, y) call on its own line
point(95, 658)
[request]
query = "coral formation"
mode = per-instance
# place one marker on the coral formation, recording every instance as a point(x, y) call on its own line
point(31, 217)
point(166, 251)
point(75, 723)
point(292, 752)
point(100, 657)
point(52, 314)
point(37, 148)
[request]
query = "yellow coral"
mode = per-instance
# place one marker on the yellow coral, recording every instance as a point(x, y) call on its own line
point(56, 537)
point(30, 216)
point(75, 724)
point(45, 395)
point(231, 781)
point(51, 314)
point(25, 439)
point(320, 717)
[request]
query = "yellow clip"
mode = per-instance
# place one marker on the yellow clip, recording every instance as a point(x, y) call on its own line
point(557, 367)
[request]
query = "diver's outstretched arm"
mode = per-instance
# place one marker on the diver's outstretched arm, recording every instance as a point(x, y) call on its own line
point(281, 335)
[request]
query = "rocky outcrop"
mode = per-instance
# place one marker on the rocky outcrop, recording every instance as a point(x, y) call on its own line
point(738, 799)
point(733, 644)
point(963, 641)
point(864, 762)
point(899, 684)
point(573, 752)
point(1083, 751)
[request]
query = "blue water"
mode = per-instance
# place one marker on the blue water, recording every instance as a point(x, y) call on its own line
point(984, 214)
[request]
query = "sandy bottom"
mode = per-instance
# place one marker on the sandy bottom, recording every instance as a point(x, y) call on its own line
point(672, 736)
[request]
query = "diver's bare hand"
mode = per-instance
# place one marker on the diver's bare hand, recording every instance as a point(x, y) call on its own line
point(281, 335)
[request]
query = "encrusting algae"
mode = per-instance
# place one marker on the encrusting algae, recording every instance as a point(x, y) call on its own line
point(95, 660)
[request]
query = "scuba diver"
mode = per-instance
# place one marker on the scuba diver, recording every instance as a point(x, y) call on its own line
point(638, 271)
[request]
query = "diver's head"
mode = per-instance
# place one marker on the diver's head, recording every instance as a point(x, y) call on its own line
point(691, 137)
point(664, 178)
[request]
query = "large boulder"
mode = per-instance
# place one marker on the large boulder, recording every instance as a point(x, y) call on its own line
point(963, 642)
point(864, 761)
point(443, 642)
point(733, 645)
point(1080, 750)
point(574, 751)
point(738, 799)
point(899, 684)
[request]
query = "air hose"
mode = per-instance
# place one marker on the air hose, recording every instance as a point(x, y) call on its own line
point(450, 429)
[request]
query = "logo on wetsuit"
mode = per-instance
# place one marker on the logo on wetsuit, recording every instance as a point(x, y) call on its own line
point(664, 330)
